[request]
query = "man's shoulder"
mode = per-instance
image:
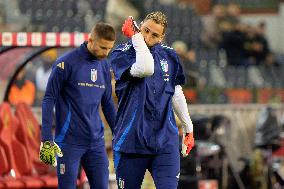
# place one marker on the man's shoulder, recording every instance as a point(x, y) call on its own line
point(169, 51)
point(68, 57)
point(167, 48)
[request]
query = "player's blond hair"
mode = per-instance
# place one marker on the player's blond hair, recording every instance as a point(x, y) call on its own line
point(159, 18)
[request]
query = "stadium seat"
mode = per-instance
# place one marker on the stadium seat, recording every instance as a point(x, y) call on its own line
point(29, 131)
point(190, 95)
point(29, 135)
point(267, 95)
point(19, 165)
point(7, 181)
point(238, 96)
point(4, 162)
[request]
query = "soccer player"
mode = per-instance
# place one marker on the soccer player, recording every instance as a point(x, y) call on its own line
point(79, 82)
point(148, 86)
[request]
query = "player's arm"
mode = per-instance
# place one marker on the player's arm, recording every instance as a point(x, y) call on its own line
point(180, 108)
point(144, 64)
point(48, 148)
point(107, 103)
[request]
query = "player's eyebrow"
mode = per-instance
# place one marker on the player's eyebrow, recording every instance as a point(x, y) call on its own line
point(156, 34)
point(153, 33)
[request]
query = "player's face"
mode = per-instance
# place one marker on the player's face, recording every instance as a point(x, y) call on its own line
point(100, 47)
point(152, 32)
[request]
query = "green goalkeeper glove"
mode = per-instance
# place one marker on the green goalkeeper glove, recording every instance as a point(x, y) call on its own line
point(48, 152)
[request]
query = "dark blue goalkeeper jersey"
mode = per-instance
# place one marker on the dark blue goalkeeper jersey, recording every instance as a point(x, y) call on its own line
point(78, 84)
point(145, 121)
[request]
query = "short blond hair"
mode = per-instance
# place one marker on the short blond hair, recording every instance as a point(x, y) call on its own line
point(159, 18)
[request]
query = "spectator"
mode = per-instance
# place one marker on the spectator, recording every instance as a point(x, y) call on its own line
point(211, 36)
point(22, 90)
point(233, 44)
point(256, 44)
point(43, 72)
point(263, 47)
point(117, 10)
point(233, 13)
point(188, 61)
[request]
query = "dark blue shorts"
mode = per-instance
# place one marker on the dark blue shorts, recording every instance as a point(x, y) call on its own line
point(131, 168)
point(94, 161)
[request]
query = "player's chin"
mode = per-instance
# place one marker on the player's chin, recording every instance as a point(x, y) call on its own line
point(101, 57)
point(150, 44)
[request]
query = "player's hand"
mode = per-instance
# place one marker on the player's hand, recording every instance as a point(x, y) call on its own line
point(187, 143)
point(48, 152)
point(130, 28)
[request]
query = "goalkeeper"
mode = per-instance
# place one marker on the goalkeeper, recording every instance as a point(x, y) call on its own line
point(148, 85)
point(79, 83)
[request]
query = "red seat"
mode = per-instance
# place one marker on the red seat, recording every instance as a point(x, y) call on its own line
point(29, 135)
point(4, 162)
point(18, 160)
point(239, 96)
point(190, 95)
point(7, 181)
point(269, 95)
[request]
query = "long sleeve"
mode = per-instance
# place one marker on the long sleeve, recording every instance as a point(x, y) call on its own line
point(180, 108)
point(108, 107)
point(53, 89)
point(144, 65)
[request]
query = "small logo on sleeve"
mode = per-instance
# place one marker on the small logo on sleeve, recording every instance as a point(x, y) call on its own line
point(121, 183)
point(62, 168)
point(60, 65)
point(178, 176)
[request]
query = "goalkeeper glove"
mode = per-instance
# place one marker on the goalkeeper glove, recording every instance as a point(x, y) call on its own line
point(48, 152)
point(130, 28)
point(187, 143)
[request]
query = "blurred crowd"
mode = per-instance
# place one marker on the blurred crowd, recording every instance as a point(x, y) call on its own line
point(217, 50)
point(244, 44)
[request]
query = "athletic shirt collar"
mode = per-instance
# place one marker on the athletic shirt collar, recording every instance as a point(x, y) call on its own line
point(85, 52)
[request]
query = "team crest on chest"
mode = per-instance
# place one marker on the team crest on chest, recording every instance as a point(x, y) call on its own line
point(94, 75)
point(164, 65)
point(165, 68)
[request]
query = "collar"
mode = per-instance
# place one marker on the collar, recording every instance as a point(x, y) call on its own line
point(85, 52)
point(156, 47)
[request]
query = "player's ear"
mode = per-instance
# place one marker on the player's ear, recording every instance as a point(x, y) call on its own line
point(140, 25)
point(161, 38)
point(90, 40)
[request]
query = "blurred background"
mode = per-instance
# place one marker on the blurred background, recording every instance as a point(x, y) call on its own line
point(232, 54)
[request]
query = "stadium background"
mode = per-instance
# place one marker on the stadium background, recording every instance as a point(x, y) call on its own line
point(233, 57)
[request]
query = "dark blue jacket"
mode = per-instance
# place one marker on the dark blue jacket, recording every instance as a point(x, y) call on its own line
point(78, 84)
point(145, 121)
